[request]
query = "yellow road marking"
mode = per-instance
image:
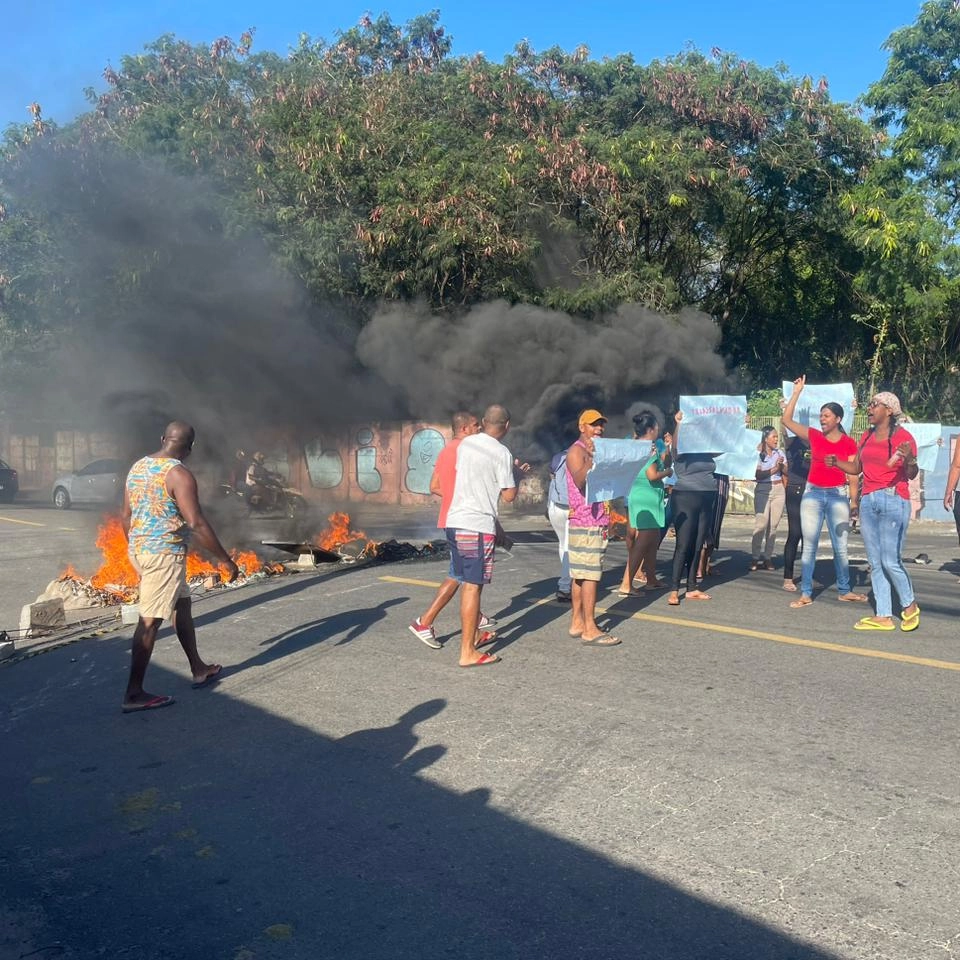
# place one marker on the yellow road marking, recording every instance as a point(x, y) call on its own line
point(797, 641)
point(26, 523)
point(413, 583)
point(752, 634)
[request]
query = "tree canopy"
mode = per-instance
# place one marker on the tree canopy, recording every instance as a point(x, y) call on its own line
point(378, 166)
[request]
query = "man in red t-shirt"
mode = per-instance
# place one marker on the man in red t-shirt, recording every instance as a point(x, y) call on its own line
point(442, 482)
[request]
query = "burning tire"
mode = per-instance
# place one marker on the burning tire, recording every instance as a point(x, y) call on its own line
point(61, 499)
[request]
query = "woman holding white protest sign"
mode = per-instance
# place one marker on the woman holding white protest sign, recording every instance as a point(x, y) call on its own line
point(826, 496)
point(693, 497)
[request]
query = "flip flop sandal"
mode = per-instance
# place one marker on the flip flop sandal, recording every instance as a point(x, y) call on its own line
point(852, 598)
point(674, 601)
point(604, 640)
point(484, 661)
point(789, 586)
point(868, 623)
point(909, 624)
point(802, 602)
point(154, 703)
point(197, 684)
point(485, 638)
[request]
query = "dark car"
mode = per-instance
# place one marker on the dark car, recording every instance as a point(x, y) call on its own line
point(98, 482)
point(9, 483)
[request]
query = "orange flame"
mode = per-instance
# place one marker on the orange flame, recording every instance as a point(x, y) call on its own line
point(116, 574)
point(338, 532)
point(116, 570)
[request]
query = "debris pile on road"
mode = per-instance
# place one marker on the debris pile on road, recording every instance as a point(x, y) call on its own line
point(394, 551)
point(350, 544)
point(339, 543)
point(116, 581)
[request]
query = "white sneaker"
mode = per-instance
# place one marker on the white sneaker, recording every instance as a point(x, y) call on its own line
point(485, 622)
point(427, 634)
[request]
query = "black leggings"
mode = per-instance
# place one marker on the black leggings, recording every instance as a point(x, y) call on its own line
point(794, 494)
point(956, 512)
point(692, 516)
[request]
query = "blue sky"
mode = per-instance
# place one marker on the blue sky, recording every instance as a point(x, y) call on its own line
point(52, 49)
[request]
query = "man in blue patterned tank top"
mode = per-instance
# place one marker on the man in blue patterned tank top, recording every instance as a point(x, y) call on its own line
point(160, 511)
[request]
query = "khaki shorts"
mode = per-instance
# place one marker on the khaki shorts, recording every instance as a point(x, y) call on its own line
point(587, 547)
point(163, 581)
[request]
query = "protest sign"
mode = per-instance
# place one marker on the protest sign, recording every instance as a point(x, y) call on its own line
point(928, 437)
point(741, 464)
point(814, 396)
point(616, 464)
point(712, 423)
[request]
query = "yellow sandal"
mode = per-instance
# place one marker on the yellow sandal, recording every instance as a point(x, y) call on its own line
point(908, 624)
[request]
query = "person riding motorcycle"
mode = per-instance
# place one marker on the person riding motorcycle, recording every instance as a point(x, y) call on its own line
point(261, 485)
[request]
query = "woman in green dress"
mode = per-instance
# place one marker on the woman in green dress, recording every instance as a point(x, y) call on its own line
point(645, 508)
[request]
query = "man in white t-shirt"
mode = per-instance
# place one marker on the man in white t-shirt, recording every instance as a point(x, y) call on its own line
point(485, 473)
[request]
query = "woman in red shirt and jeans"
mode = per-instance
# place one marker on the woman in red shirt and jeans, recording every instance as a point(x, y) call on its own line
point(825, 496)
point(887, 457)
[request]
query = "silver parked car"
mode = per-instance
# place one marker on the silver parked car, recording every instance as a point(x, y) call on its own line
point(98, 482)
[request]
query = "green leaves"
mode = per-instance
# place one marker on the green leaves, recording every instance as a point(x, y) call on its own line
point(379, 166)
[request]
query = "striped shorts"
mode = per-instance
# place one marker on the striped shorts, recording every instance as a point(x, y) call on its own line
point(471, 555)
point(587, 547)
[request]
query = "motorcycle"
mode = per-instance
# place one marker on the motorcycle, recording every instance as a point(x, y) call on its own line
point(272, 498)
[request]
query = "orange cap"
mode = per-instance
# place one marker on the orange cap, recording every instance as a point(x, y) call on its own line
point(591, 417)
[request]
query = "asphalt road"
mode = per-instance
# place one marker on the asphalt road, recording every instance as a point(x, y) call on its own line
point(736, 780)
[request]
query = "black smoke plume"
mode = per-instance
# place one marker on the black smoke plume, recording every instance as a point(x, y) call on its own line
point(544, 366)
point(164, 307)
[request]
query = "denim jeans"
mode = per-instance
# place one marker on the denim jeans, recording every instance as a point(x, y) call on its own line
point(883, 521)
point(832, 504)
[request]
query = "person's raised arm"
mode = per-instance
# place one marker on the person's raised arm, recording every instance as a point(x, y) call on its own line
point(787, 419)
point(182, 486)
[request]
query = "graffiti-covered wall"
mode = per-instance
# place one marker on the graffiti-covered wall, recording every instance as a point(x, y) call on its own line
point(376, 462)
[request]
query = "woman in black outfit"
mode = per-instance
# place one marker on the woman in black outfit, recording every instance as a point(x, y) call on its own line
point(798, 466)
point(693, 497)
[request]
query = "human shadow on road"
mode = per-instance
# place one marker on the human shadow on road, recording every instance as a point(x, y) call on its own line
point(217, 829)
point(256, 594)
point(345, 626)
